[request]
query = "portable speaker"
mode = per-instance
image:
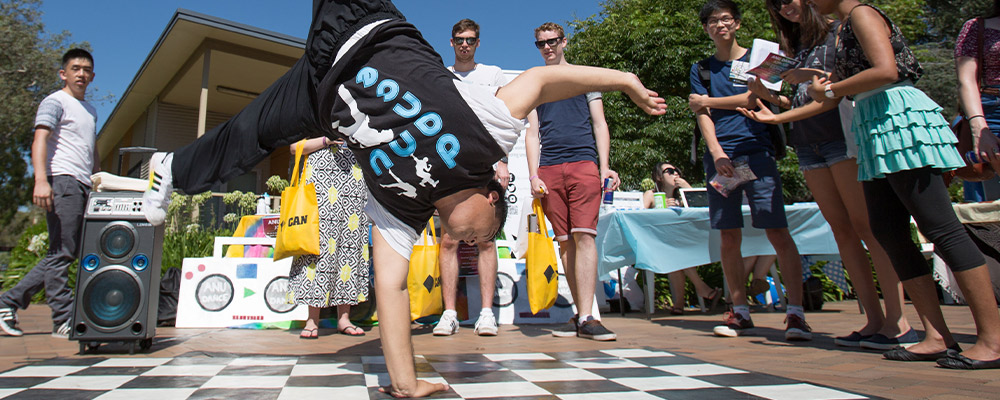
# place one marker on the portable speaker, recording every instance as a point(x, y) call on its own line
point(117, 286)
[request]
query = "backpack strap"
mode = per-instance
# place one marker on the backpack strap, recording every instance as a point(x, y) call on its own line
point(705, 75)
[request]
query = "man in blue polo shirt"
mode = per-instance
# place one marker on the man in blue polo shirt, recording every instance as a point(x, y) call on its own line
point(730, 137)
point(567, 173)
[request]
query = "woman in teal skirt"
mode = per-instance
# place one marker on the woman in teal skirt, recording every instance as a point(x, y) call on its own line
point(904, 143)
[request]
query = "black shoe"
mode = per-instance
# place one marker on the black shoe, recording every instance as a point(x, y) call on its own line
point(954, 360)
point(569, 329)
point(594, 330)
point(852, 340)
point(902, 354)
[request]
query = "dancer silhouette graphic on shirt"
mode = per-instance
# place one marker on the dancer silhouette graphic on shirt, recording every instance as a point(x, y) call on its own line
point(360, 132)
point(424, 171)
point(407, 189)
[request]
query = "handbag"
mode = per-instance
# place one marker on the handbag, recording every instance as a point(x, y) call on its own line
point(423, 281)
point(972, 172)
point(298, 231)
point(541, 264)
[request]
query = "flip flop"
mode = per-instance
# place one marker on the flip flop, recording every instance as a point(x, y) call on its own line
point(309, 334)
point(676, 310)
point(357, 331)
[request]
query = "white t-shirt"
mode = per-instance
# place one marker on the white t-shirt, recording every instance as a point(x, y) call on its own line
point(74, 132)
point(482, 74)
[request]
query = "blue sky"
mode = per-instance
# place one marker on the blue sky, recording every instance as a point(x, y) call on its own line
point(122, 33)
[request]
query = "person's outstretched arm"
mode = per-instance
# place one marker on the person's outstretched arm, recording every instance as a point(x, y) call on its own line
point(550, 83)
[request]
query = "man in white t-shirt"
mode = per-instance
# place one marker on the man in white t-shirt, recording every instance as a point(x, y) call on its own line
point(63, 156)
point(465, 41)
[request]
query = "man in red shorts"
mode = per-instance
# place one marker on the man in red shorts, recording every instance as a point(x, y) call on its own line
point(567, 173)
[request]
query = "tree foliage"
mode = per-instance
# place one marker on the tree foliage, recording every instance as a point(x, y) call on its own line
point(28, 64)
point(945, 17)
point(658, 40)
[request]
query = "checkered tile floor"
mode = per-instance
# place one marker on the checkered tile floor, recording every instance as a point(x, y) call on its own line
point(609, 374)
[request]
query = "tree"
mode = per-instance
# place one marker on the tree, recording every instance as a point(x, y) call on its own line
point(28, 65)
point(945, 17)
point(659, 40)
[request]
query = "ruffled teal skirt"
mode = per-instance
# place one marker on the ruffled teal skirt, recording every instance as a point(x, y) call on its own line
point(897, 128)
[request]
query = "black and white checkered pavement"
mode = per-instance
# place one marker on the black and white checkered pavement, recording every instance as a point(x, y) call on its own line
point(607, 374)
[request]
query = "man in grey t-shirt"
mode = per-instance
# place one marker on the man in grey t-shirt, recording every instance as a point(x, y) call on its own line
point(64, 156)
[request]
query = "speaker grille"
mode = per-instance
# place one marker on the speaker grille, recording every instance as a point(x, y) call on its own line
point(111, 298)
point(118, 240)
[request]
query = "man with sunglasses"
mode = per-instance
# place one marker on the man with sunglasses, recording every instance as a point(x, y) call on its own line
point(465, 41)
point(567, 174)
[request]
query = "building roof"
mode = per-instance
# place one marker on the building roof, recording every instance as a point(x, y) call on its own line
point(244, 60)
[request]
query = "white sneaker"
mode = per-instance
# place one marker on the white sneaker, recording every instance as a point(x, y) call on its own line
point(8, 322)
point(161, 184)
point(61, 331)
point(486, 325)
point(446, 326)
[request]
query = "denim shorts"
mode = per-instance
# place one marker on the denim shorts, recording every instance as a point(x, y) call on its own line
point(767, 204)
point(821, 155)
point(991, 111)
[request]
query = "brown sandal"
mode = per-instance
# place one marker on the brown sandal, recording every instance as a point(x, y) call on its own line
point(676, 310)
point(713, 298)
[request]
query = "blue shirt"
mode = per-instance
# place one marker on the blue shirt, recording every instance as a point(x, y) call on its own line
point(738, 135)
point(565, 131)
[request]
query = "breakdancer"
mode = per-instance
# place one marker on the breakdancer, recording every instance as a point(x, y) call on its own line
point(369, 77)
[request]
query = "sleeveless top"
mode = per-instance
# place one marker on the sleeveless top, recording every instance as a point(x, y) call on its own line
point(851, 57)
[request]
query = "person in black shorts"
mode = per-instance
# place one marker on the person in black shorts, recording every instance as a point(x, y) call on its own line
point(424, 140)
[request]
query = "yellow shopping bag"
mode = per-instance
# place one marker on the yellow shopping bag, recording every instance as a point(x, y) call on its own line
point(541, 263)
point(424, 279)
point(298, 232)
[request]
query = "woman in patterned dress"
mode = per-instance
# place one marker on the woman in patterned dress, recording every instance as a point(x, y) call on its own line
point(339, 275)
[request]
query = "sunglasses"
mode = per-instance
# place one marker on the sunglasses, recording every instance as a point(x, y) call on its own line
point(540, 44)
point(671, 171)
point(777, 4)
point(470, 40)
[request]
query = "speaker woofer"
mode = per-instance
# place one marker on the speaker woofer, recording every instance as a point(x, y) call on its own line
point(118, 239)
point(111, 298)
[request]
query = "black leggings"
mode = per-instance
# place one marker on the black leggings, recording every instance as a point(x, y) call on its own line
point(920, 193)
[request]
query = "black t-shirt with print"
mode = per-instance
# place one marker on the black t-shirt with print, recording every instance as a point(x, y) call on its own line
point(414, 136)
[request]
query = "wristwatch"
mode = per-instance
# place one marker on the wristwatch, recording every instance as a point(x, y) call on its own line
point(829, 92)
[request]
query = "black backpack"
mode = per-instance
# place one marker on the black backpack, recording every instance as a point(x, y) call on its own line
point(776, 132)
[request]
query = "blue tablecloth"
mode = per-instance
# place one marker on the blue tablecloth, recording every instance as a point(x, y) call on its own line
point(672, 239)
